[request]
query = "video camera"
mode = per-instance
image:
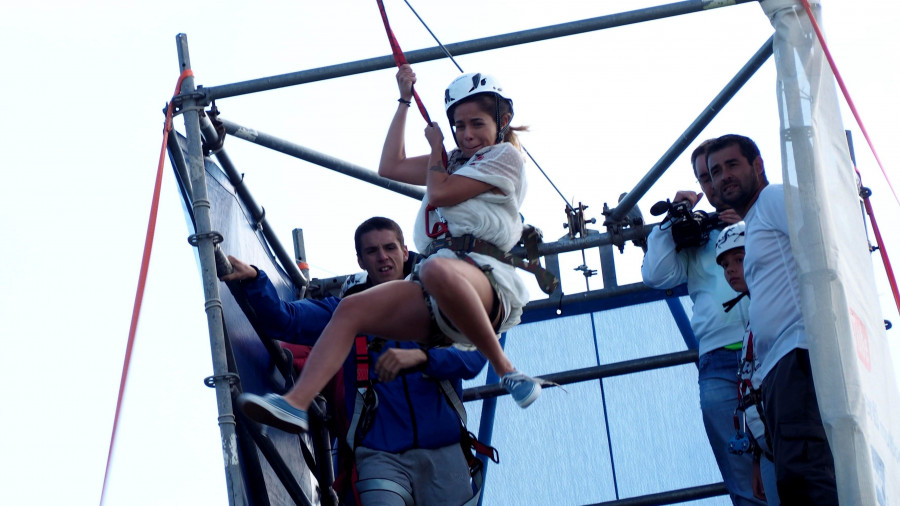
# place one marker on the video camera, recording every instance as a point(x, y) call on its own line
point(690, 229)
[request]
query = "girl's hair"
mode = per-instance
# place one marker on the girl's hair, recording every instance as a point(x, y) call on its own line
point(487, 102)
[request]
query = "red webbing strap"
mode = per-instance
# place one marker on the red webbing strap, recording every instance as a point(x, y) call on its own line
point(840, 81)
point(400, 59)
point(142, 278)
point(746, 383)
point(362, 361)
point(884, 256)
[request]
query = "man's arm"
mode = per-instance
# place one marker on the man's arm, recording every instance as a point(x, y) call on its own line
point(453, 363)
point(441, 363)
point(298, 322)
point(663, 267)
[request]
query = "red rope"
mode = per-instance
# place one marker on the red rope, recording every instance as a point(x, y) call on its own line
point(868, 205)
point(843, 87)
point(400, 59)
point(882, 251)
point(142, 278)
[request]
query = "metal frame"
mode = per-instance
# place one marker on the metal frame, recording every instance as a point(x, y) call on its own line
point(193, 99)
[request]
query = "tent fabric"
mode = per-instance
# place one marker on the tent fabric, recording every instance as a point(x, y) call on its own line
point(243, 240)
point(847, 342)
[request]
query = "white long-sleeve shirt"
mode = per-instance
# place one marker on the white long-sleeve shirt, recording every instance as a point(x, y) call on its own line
point(771, 273)
point(663, 268)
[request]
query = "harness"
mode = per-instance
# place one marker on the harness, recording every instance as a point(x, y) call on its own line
point(364, 410)
point(468, 243)
point(749, 397)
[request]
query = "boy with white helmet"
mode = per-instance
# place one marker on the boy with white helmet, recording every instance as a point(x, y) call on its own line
point(749, 426)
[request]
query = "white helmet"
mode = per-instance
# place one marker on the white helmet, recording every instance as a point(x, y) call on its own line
point(352, 281)
point(468, 85)
point(730, 238)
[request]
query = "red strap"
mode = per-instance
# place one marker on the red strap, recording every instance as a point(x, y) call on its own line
point(362, 360)
point(142, 277)
point(440, 228)
point(840, 81)
point(882, 251)
point(748, 358)
point(400, 59)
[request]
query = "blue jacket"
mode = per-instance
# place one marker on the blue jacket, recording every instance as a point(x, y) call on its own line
point(412, 411)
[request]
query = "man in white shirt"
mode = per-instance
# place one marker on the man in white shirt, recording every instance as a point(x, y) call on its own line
point(804, 466)
point(719, 334)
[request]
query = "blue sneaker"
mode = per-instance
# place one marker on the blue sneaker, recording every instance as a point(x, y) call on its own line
point(273, 410)
point(523, 389)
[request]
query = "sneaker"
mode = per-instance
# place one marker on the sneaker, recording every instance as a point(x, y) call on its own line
point(273, 410)
point(523, 389)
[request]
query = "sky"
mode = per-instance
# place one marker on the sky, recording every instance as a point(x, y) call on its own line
point(83, 89)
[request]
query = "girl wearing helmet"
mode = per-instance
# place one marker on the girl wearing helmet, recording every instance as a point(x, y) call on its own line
point(469, 298)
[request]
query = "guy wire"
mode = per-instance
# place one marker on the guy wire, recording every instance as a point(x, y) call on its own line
point(444, 49)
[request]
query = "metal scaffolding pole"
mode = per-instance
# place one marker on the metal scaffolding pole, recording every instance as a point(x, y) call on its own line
point(468, 47)
point(329, 162)
point(204, 239)
point(592, 373)
point(686, 138)
point(258, 214)
point(671, 497)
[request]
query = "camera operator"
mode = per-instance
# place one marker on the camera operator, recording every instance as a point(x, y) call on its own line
point(679, 251)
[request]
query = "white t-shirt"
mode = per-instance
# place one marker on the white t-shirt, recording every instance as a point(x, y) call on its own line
point(771, 274)
point(664, 268)
point(492, 217)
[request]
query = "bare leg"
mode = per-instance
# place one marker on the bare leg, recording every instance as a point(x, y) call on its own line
point(394, 310)
point(465, 295)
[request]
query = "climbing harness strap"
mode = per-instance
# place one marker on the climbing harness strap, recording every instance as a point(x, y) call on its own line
point(470, 445)
point(439, 228)
point(470, 244)
point(366, 402)
point(373, 484)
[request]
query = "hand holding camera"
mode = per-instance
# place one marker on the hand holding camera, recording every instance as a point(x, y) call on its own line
point(690, 229)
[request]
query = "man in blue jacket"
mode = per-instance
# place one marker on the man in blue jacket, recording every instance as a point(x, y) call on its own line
point(410, 451)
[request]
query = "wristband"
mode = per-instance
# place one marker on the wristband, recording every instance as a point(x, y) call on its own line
point(407, 102)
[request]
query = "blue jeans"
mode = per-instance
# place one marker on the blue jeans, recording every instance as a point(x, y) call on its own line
point(718, 381)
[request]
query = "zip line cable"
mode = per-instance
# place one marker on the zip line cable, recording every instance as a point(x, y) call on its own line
point(433, 36)
point(840, 81)
point(142, 277)
point(444, 49)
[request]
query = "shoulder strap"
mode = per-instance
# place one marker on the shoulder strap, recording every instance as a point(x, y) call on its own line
point(366, 401)
point(454, 400)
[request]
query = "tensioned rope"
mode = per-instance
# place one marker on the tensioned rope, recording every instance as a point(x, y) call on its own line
point(142, 278)
point(880, 242)
point(400, 59)
point(396, 48)
point(837, 75)
point(840, 81)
